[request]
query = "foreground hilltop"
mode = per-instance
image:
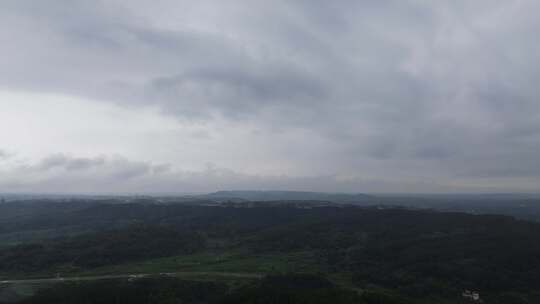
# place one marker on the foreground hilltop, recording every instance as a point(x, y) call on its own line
point(417, 256)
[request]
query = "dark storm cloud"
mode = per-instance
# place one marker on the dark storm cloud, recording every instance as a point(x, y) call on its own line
point(451, 85)
point(237, 92)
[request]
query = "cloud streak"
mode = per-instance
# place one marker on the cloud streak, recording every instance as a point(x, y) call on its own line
point(116, 174)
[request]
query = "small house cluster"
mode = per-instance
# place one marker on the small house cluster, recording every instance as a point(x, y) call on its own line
point(472, 295)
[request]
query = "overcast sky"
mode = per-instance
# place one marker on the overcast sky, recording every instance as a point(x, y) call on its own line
point(191, 96)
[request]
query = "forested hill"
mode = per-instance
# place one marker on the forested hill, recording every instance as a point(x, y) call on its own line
point(416, 254)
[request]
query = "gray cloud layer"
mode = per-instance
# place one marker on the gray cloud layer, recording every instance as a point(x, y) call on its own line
point(435, 90)
point(69, 174)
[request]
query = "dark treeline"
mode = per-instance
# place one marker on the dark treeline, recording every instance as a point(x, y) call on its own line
point(103, 248)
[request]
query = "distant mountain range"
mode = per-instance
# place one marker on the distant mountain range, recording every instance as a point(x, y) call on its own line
point(239, 196)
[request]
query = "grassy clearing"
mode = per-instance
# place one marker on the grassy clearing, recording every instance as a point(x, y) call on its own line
point(226, 262)
point(10, 293)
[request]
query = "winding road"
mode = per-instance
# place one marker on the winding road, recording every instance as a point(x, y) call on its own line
point(239, 275)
